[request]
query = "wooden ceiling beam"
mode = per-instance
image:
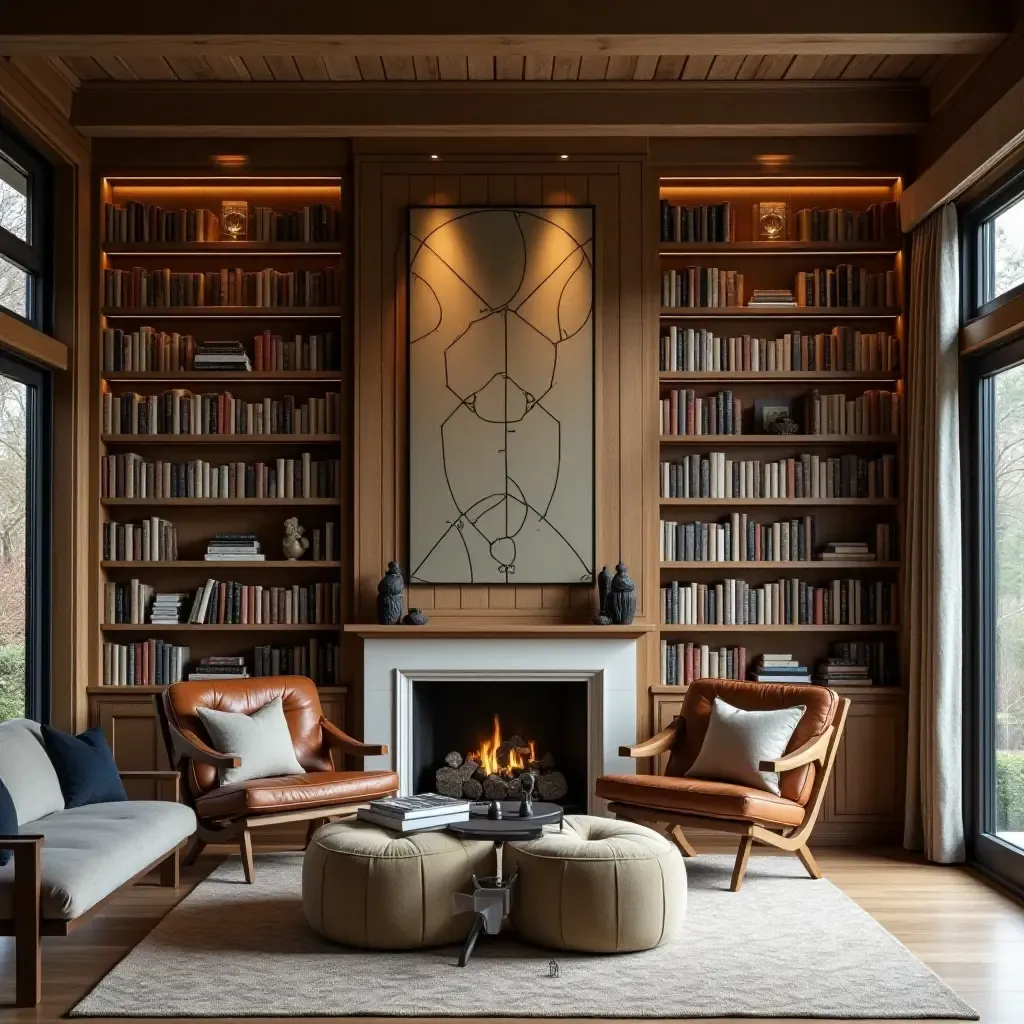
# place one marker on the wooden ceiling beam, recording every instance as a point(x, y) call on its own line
point(499, 108)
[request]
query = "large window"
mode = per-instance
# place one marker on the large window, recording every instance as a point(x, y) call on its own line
point(24, 233)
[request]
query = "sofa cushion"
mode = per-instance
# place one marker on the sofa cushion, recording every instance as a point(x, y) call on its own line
point(85, 767)
point(27, 772)
point(90, 851)
point(8, 820)
point(295, 793)
point(701, 797)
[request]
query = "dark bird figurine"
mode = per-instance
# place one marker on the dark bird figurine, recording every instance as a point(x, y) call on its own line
point(622, 599)
point(391, 596)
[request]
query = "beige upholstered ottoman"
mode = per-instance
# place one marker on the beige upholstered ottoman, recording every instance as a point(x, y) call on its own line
point(366, 886)
point(598, 886)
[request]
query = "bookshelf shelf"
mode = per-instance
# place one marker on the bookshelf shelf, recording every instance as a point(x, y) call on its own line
point(222, 564)
point(773, 439)
point(131, 689)
point(780, 502)
point(243, 248)
point(195, 376)
point(148, 627)
point(221, 312)
point(803, 628)
point(237, 439)
point(810, 564)
point(786, 248)
point(756, 377)
point(228, 502)
point(777, 313)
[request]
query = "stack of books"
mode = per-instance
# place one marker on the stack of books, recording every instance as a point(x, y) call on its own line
point(414, 813)
point(846, 551)
point(221, 355)
point(772, 297)
point(220, 668)
point(166, 609)
point(842, 671)
point(234, 547)
point(779, 668)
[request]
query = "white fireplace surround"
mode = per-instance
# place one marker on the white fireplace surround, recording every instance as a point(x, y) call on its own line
point(391, 667)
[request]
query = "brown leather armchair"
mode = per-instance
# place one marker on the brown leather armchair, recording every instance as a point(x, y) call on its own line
point(783, 821)
point(229, 813)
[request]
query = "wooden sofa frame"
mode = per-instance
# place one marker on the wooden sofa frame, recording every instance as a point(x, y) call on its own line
point(27, 925)
point(821, 750)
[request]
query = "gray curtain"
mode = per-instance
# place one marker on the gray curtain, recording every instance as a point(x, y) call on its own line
point(932, 582)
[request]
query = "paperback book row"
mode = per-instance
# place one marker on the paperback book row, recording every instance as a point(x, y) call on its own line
point(846, 286)
point(807, 475)
point(161, 288)
point(224, 603)
point(149, 350)
point(683, 412)
point(152, 540)
point(683, 663)
point(157, 663)
point(873, 413)
point(705, 223)
point(878, 223)
point(785, 602)
point(130, 475)
point(701, 288)
point(313, 659)
point(147, 222)
point(180, 411)
point(697, 350)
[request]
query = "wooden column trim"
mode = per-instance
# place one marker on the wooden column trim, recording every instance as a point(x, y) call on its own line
point(26, 341)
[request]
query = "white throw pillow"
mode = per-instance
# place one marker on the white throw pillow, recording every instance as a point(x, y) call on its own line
point(737, 741)
point(261, 740)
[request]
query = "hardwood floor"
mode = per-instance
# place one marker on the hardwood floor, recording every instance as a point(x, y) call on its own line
point(969, 933)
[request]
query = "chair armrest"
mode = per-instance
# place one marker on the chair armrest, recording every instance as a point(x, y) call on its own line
point(335, 737)
point(657, 744)
point(158, 776)
point(13, 842)
point(812, 750)
point(196, 749)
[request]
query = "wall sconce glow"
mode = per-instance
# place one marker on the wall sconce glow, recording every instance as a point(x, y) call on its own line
point(773, 161)
point(434, 156)
point(565, 156)
point(230, 161)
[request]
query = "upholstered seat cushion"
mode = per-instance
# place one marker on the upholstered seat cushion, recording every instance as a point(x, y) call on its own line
point(90, 851)
point(295, 792)
point(366, 886)
point(598, 886)
point(700, 796)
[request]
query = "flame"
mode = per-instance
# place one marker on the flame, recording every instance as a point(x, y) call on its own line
point(487, 754)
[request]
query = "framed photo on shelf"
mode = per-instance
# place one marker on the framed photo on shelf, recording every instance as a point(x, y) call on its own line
point(768, 410)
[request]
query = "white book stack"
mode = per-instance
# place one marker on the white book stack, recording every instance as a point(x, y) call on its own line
point(415, 813)
point(221, 355)
point(166, 609)
point(852, 551)
point(234, 547)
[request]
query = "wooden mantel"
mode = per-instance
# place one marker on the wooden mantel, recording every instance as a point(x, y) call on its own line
point(506, 631)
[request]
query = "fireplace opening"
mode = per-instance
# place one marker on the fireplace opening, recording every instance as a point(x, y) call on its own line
point(479, 738)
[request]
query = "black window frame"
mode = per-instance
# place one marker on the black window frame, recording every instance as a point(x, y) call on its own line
point(35, 256)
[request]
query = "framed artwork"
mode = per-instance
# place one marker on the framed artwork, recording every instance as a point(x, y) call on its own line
point(768, 410)
point(501, 394)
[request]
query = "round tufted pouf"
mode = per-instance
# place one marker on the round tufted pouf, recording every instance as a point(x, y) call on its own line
point(367, 886)
point(598, 886)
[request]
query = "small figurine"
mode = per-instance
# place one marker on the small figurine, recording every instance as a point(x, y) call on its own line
point(784, 425)
point(527, 781)
point(295, 543)
point(553, 970)
point(494, 810)
point(391, 596)
point(415, 618)
point(604, 587)
point(622, 599)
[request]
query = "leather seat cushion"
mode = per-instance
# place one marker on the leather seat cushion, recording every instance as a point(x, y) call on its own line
point(723, 800)
point(295, 793)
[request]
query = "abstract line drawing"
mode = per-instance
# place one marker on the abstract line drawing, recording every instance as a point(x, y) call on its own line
point(501, 394)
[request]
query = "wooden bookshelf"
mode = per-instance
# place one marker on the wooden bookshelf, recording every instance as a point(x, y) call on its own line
point(774, 264)
point(197, 520)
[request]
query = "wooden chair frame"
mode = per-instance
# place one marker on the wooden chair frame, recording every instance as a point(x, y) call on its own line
point(181, 749)
point(28, 926)
point(821, 750)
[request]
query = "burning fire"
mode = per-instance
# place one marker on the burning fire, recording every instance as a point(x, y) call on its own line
point(487, 755)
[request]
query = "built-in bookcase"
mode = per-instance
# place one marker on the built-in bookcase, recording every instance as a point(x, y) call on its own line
point(808, 363)
point(176, 280)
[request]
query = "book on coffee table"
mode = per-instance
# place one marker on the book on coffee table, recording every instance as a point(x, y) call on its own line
point(421, 824)
point(425, 805)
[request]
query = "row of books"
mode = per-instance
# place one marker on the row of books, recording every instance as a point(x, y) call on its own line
point(133, 221)
point(149, 350)
point(683, 412)
point(701, 287)
point(157, 663)
point(130, 475)
point(716, 475)
point(152, 540)
point(704, 223)
point(878, 223)
point(683, 663)
point(689, 349)
point(786, 602)
point(738, 538)
point(139, 288)
point(846, 286)
point(873, 413)
point(180, 411)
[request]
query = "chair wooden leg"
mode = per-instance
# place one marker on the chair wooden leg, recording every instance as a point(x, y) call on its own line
point(169, 871)
point(808, 861)
point(675, 833)
point(742, 856)
point(192, 854)
point(245, 845)
point(27, 941)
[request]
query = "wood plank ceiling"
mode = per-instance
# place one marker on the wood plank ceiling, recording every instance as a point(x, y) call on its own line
point(509, 68)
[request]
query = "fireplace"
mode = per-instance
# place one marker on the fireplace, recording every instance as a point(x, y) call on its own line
point(474, 739)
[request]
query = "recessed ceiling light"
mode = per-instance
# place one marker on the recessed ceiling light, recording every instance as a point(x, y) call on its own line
point(565, 156)
point(434, 156)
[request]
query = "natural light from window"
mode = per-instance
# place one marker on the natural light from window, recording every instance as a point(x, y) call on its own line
point(1008, 267)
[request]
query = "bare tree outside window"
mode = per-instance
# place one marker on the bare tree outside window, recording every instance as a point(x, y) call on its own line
point(13, 218)
point(1009, 249)
point(13, 501)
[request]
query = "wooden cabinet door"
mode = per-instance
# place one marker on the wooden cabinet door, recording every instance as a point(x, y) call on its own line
point(130, 725)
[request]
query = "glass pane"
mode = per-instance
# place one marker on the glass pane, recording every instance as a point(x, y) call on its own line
point(1008, 745)
point(13, 199)
point(1008, 263)
point(13, 580)
point(13, 288)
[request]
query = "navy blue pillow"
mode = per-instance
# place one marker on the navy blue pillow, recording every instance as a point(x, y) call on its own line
point(8, 820)
point(85, 767)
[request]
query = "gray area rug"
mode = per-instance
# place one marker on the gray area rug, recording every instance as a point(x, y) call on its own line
point(784, 946)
